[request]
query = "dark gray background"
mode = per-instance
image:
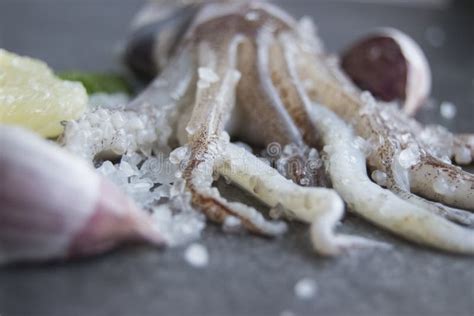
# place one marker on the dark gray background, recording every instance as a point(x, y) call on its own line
point(247, 275)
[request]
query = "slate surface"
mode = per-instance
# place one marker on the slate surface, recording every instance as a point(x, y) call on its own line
point(247, 275)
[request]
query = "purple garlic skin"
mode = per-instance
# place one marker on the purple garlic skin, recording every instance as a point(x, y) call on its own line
point(368, 62)
point(54, 206)
point(390, 65)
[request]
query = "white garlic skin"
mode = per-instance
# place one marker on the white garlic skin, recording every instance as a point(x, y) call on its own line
point(54, 206)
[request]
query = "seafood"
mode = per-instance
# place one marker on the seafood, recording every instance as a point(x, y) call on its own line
point(249, 71)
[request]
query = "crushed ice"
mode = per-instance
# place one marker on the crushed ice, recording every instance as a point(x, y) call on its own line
point(409, 156)
point(109, 132)
point(306, 288)
point(197, 255)
point(462, 155)
point(150, 181)
point(134, 175)
point(379, 177)
point(366, 147)
point(298, 163)
point(442, 186)
point(144, 173)
point(438, 141)
point(252, 16)
point(206, 77)
point(232, 224)
point(448, 110)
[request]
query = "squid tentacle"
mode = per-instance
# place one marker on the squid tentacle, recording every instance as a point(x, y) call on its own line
point(176, 77)
point(321, 207)
point(400, 180)
point(284, 80)
point(216, 208)
point(455, 215)
point(306, 204)
point(156, 109)
point(379, 205)
point(450, 184)
point(364, 115)
point(264, 64)
point(364, 197)
point(214, 99)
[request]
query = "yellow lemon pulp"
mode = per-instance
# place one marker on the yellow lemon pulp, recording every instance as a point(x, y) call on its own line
point(33, 97)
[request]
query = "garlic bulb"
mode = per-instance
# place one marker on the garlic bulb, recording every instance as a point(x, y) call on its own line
point(390, 65)
point(53, 205)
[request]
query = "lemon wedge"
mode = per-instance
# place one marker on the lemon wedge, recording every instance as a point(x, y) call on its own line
point(33, 97)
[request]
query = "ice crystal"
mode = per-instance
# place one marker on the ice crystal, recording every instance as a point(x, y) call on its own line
point(306, 288)
point(197, 255)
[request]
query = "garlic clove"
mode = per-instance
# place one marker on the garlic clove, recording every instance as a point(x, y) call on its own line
point(390, 65)
point(54, 206)
point(116, 219)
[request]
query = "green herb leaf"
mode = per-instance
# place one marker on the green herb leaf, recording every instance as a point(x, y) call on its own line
point(98, 82)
